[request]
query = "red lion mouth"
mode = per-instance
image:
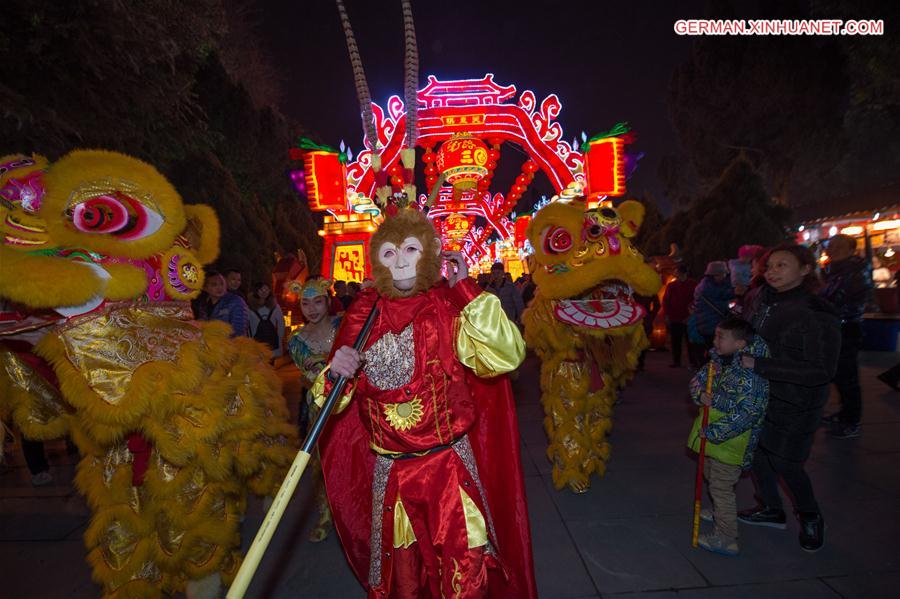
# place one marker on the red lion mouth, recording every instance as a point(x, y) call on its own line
point(609, 306)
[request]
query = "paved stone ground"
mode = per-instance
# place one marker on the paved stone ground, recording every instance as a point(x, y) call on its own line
point(628, 537)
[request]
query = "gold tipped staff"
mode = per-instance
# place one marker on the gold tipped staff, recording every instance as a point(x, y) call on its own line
point(289, 484)
point(698, 488)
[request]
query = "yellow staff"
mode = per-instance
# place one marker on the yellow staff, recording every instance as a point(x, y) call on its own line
point(289, 484)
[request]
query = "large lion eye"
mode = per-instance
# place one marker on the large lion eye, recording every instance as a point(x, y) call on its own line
point(557, 240)
point(115, 214)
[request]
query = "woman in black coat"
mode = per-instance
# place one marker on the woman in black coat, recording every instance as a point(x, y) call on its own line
point(804, 338)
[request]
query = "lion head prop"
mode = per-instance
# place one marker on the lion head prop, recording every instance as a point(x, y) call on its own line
point(585, 262)
point(585, 324)
point(98, 226)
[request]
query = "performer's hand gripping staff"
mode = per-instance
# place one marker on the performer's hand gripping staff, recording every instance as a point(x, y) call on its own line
point(286, 491)
point(698, 491)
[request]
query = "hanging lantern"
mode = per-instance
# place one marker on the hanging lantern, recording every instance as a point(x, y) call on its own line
point(522, 223)
point(326, 180)
point(462, 160)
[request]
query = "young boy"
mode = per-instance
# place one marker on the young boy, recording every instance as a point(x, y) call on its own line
point(737, 407)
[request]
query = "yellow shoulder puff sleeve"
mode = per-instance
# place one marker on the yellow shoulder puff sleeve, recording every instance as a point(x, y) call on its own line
point(486, 340)
point(318, 394)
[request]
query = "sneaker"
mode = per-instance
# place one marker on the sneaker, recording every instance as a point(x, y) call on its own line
point(770, 517)
point(845, 431)
point(714, 543)
point(41, 479)
point(812, 532)
point(706, 515)
point(832, 419)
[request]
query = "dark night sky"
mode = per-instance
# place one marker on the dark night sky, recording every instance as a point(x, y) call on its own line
point(607, 61)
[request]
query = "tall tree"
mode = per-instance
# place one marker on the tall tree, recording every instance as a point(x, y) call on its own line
point(781, 98)
point(737, 211)
point(648, 240)
point(148, 78)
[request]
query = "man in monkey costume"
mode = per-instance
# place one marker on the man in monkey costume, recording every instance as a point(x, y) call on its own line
point(423, 471)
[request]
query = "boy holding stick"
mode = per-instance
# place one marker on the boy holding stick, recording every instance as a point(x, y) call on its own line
point(737, 405)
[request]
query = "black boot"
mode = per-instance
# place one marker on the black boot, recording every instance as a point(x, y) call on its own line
point(812, 531)
point(764, 516)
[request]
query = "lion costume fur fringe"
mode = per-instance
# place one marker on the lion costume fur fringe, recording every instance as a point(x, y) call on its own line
point(139, 377)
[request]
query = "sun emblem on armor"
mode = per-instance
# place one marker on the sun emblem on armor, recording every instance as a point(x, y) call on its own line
point(404, 416)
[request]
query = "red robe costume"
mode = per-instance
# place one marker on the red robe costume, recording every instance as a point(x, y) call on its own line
point(428, 452)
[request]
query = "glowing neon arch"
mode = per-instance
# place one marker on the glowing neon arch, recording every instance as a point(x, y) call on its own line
point(479, 107)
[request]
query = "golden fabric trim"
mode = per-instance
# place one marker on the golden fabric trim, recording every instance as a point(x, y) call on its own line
point(118, 545)
point(48, 404)
point(476, 530)
point(107, 348)
point(149, 571)
point(317, 392)
point(486, 340)
point(387, 452)
point(403, 530)
point(456, 580)
point(434, 403)
point(116, 456)
point(168, 535)
point(404, 416)
point(167, 471)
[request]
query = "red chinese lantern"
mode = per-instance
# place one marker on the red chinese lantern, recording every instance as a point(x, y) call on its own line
point(326, 180)
point(462, 160)
point(604, 167)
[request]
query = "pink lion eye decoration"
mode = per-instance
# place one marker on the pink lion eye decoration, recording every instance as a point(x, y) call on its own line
point(115, 214)
point(557, 240)
point(105, 214)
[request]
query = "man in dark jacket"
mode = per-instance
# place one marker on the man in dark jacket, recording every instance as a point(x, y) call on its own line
point(848, 286)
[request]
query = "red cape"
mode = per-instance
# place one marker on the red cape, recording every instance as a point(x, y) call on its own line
point(348, 464)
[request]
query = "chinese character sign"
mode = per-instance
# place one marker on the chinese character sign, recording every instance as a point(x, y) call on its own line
point(348, 262)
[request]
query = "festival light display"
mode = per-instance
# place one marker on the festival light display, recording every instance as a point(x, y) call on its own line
point(605, 167)
point(462, 127)
point(461, 160)
point(326, 180)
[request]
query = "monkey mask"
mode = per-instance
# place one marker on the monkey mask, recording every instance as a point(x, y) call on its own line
point(406, 254)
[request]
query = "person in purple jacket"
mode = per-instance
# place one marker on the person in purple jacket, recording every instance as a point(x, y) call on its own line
point(223, 305)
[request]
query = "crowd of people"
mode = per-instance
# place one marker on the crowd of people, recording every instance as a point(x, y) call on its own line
point(777, 333)
point(770, 327)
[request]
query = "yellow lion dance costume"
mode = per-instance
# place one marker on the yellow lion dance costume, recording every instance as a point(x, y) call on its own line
point(585, 326)
point(175, 421)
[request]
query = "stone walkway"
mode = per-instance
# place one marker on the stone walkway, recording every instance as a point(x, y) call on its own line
point(628, 537)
